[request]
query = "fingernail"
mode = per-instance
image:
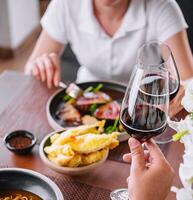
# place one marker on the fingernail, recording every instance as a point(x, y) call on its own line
point(56, 84)
point(133, 143)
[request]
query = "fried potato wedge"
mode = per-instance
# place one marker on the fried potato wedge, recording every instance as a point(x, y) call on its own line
point(90, 143)
point(60, 159)
point(70, 134)
point(93, 157)
point(54, 137)
point(55, 150)
point(75, 161)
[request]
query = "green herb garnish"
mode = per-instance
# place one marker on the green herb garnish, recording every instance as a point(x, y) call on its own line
point(92, 89)
point(109, 129)
point(190, 180)
point(93, 107)
point(191, 115)
point(98, 87)
point(89, 89)
point(179, 135)
point(113, 127)
point(67, 97)
point(115, 124)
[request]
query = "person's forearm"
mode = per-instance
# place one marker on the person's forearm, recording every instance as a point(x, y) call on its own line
point(182, 54)
point(44, 63)
point(46, 45)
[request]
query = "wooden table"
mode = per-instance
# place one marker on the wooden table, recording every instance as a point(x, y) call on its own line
point(23, 106)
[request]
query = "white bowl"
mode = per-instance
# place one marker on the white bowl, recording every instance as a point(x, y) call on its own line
point(67, 170)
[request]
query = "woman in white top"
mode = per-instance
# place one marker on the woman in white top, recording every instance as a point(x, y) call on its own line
point(105, 36)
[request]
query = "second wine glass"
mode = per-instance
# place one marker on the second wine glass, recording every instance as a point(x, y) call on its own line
point(158, 54)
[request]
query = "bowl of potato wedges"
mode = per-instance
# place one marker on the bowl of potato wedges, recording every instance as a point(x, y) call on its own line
point(78, 150)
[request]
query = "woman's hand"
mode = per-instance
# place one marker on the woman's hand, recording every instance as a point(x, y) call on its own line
point(45, 68)
point(151, 175)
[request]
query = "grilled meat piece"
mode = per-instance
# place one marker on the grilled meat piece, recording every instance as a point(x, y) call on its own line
point(109, 111)
point(70, 114)
point(89, 98)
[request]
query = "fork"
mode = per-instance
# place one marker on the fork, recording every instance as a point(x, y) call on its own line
point(72, 89)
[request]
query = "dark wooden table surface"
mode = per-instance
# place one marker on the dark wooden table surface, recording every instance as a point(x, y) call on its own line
point(23, 106)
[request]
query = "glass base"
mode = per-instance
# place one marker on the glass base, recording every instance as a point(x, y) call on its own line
point(162, 139)
point(120, 194)
point(166, 136)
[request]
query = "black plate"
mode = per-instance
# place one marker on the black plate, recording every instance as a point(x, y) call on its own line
point(115, 90)
point(28, 180)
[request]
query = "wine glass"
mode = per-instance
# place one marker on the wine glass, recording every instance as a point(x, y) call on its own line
point(145, 106)
point(155, 54)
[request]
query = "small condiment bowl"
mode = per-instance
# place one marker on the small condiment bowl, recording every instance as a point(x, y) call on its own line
point(20, 148)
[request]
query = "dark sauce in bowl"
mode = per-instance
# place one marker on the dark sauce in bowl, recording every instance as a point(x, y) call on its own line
point(20, 141)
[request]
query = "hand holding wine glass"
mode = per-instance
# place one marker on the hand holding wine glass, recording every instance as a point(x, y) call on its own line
point(144, 110)
point(151, 175)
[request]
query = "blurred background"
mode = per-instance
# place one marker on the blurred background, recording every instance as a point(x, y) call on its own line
point(20, 28)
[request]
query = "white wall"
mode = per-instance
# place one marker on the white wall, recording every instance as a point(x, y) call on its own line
point(19, 18)
point(5, 39)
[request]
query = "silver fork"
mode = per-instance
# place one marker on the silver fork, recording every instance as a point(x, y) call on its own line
point(72, 89)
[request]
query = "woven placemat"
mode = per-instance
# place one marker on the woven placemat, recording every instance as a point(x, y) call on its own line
point(123, 148)
point(117, 153)
point(73, 190)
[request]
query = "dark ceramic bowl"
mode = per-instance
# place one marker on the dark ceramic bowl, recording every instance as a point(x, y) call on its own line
point(56, 101)
point(31, 181)
point(19, 133)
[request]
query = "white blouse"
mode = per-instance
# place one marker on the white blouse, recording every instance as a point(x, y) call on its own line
point(110, 58)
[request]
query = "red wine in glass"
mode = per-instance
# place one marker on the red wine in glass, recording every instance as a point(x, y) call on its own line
point(173, 88)
point(148, 122)
point(145, 106)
